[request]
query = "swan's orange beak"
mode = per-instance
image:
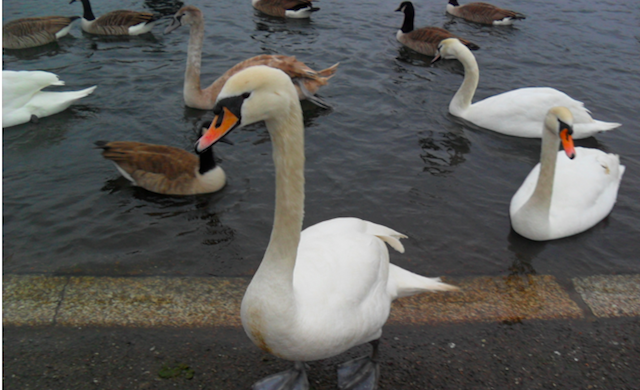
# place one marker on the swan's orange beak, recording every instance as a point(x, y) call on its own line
point(221, 125)
point(567, 143)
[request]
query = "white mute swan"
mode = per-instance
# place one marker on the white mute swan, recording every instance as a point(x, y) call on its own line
point(424, 40)
point(120, 22)
point(32, 32)
point(483, 13)
point(519, 112)
point(321, 292)
point(307, 80)
point(567, 192)
point(295, 9)
point(23, 100)
point(165, 169)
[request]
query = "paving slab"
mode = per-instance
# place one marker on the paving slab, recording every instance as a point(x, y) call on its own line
point(31, 300)
point(611, 295)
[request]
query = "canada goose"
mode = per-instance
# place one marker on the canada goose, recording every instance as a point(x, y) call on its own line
point(32, 32)
point(483, 13)
point(121, 22)
point(298, 9)
point(567, 192)
point(519, 112)
point(322, 291)
point(424, 40)
point(23, 100)
point(307, 80)
point(165, 169)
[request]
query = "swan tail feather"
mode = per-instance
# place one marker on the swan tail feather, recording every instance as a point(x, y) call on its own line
point(386, 234)
point(407, 283)
point(605, 126)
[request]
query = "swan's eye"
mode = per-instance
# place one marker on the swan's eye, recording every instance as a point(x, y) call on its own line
point(217, 109)
point(246, 95)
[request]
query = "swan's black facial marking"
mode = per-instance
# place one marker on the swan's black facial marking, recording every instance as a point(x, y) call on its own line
point(231, 103)
point(565, 126)
point(228, 116)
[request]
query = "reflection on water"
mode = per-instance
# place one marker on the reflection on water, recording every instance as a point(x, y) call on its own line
point(49, 50)
point(441, 152)
point(164, 7)
point(524, 251)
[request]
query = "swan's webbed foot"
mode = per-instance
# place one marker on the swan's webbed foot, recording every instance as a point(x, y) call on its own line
point(293, 379)
point(33, 119)
point(360, 374)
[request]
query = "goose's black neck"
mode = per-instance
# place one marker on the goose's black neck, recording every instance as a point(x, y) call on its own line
point(88, 13)
point(409, 15)
point(207, 161)
point(454, 3)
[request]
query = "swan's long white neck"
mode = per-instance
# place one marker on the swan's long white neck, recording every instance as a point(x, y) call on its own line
point(540, 199)
point(287, 136)
point(269, 304)
point(194, 60)
point(462, 99)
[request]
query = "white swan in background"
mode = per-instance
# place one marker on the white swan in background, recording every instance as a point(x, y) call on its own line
point(295, 9)
point(567, 192)
point(322, 291)
point(307, 80)
point(23, 100)
point(483, 13)
point(32, 32)
point(519, 112)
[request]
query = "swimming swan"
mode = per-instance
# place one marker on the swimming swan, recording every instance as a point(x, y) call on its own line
point(483, 13)
point(307, 80)
point(165, 169)
point(23, 100)
point(519, 112)
point(32, 32)
point(567, 192)
point(120, 22)
point(424, 40)
point(322, 291)
point(295, 9)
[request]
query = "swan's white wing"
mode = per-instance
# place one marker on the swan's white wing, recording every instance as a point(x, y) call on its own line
point(585, 190)
point(521, 112)
point(340, 284)
point(18, 87)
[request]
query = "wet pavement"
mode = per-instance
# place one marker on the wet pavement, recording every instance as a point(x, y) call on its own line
point(525, 332)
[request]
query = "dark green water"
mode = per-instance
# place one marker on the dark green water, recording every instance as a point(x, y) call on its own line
point(388, 152)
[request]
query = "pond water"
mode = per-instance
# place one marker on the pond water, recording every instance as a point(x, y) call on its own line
point(388, 152)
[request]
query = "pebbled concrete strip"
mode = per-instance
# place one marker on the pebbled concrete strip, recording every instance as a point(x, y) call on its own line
point(508, 298)
point(199, 302)
point(610, 296)
point(152, 301)
point(31, 300)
